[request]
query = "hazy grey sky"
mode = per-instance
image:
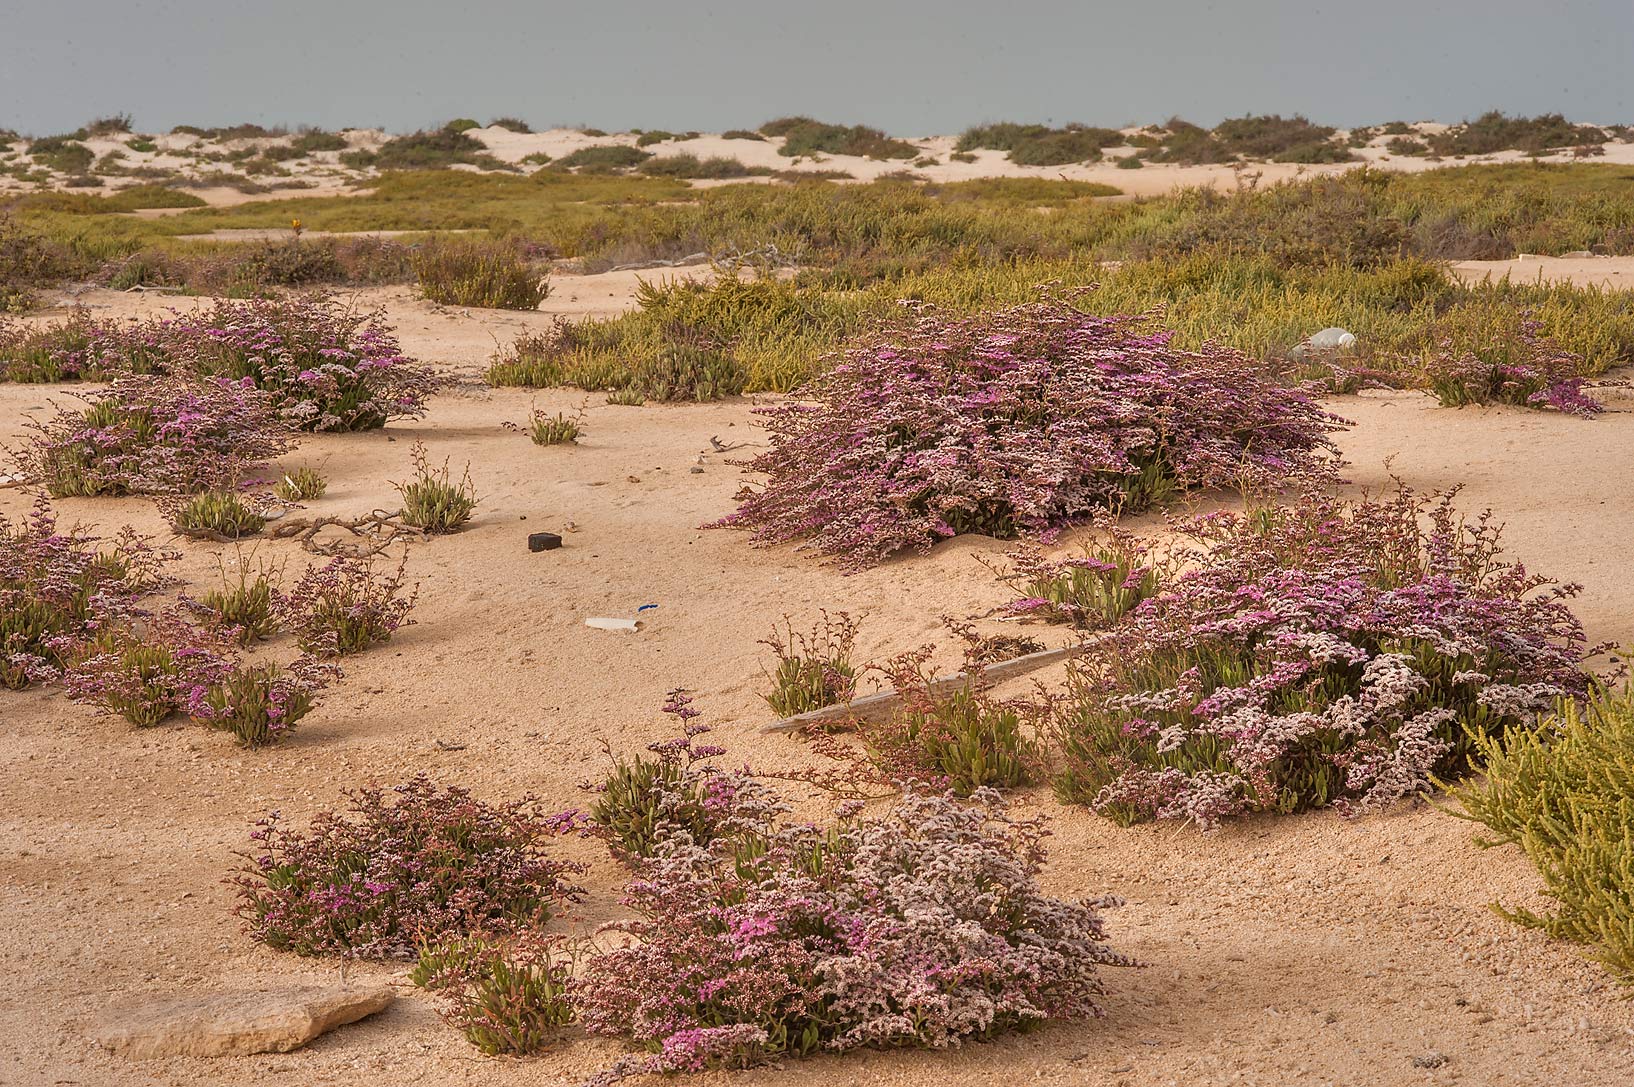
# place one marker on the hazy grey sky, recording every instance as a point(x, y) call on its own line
point(911, 68)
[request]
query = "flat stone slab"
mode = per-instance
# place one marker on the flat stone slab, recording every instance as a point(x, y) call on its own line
point(229, 1024)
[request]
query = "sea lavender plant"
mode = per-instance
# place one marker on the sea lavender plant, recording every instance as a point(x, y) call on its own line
point(1088, 591)
point(159, 436)
point(1314, 653)
point(1529, 370)
point(323, 366)
point(259, 704)
point(921, 927)
point(60, 588)
point(1020, 421)
point(432, 501)
point(401, 870)
point(506, 994)
point(814, 667)
point(130, 674)
point(345, 606)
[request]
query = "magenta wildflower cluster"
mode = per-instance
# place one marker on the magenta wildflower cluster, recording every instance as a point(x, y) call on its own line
point(1320, 652)
point(322, 366)
point(1529, 370)
point(61, 589)
point(157, 436)
point(417, 864)
point(1020, 421)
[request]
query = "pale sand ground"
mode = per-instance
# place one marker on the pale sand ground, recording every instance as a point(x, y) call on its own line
point(1301, 951)
point(326, 176)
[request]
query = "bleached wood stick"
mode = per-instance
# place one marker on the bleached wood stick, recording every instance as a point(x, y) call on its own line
point(875, 706)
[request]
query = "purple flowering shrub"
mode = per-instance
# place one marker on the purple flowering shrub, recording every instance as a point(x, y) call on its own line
point(1321, 652)
point(645, 801)
point(1020, 421)
point(60, 588)
point(259, 704)
point(345, 606)
point(159, 436)
point(322, 366)
point(399, 871)
point(923, 926)
point(1528, 369)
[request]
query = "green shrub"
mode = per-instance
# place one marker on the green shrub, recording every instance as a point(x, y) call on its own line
point(558, 429)
point(244, 604)
point(315, 140)
point(434, 150)
point(461, 124)
point(301, 484)
point(605, 159)
point(61, 153)
point(490, 275)
point(1565, 794)
point(813, 668)
point(511, 124)
point(1274, 136)
point(688, 165)
point(432, 501)
point(803, 137)
point(216, 515)
point(1493, 132)
point(1040, 145)
point(507, 996)
point(741, 134)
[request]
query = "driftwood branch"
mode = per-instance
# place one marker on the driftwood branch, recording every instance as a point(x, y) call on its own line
point(876, 707)
point(374, 533)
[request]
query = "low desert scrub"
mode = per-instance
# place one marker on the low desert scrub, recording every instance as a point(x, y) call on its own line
point(602, 159)
point(27, 262)
point(260, 704)
point(156, 436)
point(687, 165)
point(643, 801)
point(433, 150)
point(302, 483)
point(488, 275)
point(345, 606)
point(219, 514)
point(244, 607)
point(1280, 139)
point(559, 429)
point(1564, 793)
point(804, 137)
point(60, 587)
point(814, 667)
point(1040, 145)
point(1493, 132)
point(129, 674)
point(1320, 652)
point(400, 869)
point(962, 740)
point(678, 346)
point(511, 124)
point(922, 926)
point(1022, 421)
point(508, 995)
point(432, 501)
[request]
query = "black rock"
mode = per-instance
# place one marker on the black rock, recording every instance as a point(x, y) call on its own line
point(544, 541)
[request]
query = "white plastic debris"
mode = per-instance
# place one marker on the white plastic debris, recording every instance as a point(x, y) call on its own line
point(614, 624)
point(1330, 338)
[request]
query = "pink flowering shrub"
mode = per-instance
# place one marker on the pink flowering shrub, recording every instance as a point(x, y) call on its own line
point(322, 366)
point(259, 704)
point(923, 926)
point(345, 606)
point(1020, 421)
point(401, 870)
point(159, 436)
point(1317, 653)
point(1529, 370)
point(60, 588)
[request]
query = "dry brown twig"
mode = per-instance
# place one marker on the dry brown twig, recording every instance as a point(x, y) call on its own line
point(374, 531)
